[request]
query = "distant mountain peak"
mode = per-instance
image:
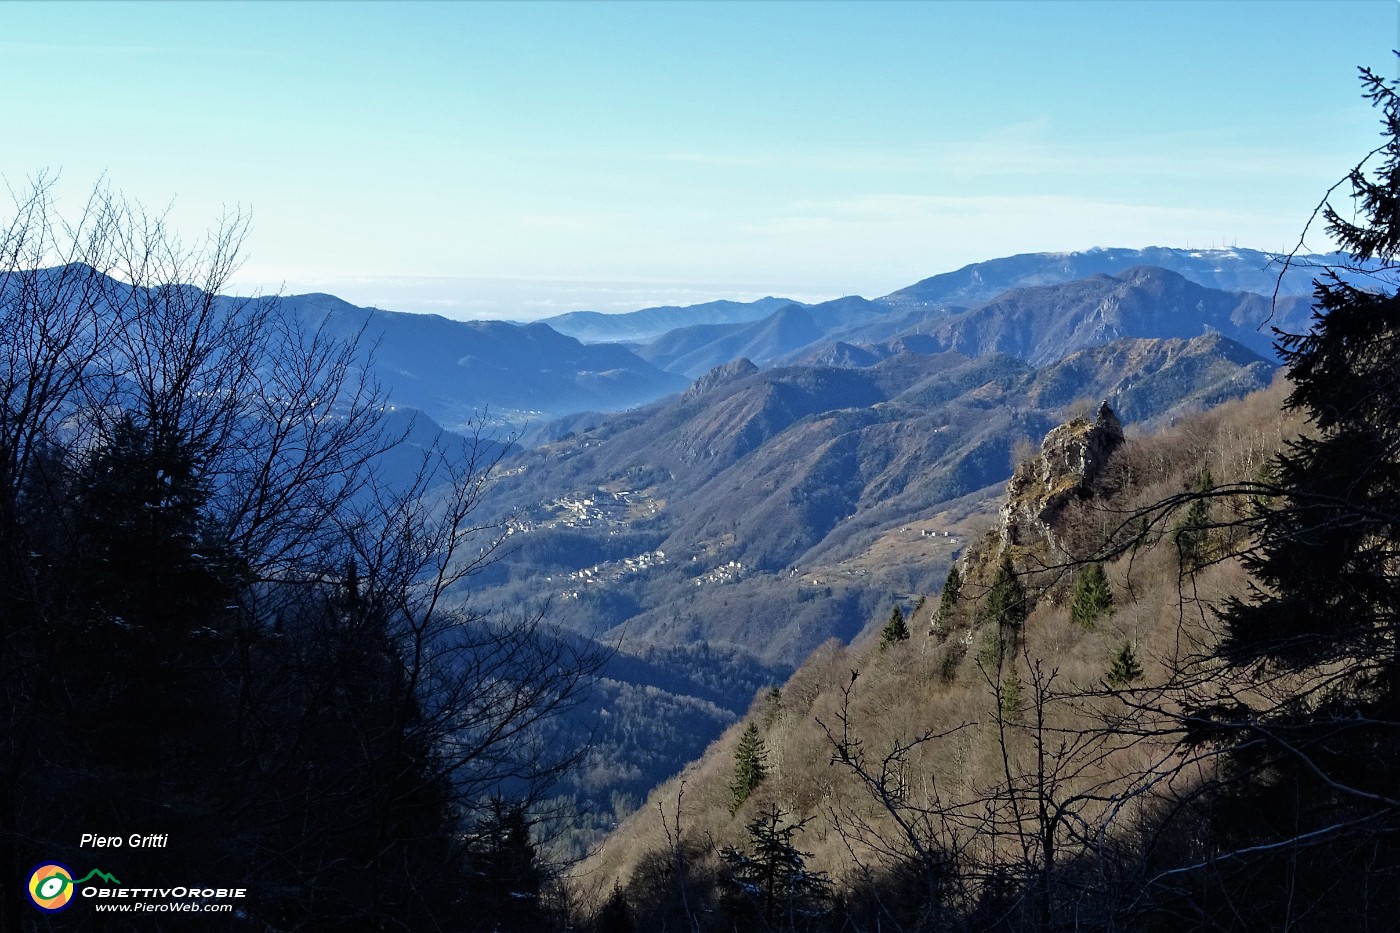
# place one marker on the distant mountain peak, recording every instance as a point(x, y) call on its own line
point(724, 374)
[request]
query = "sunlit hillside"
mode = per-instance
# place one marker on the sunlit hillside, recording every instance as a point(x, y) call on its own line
point(971, 753)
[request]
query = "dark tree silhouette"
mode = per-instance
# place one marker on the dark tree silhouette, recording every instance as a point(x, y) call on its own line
point(1125, 669)
point(225, 617)
point(1192, 534)
point(771, 879)
point(750, 769)
point(948, 600)
point(1309, 712)
point(896, 629)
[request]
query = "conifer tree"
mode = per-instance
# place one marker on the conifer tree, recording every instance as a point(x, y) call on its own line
point(1006, 600)
point(1320, 753)
point(1328, 584)
point(1093, 599)
point(1192, 535)
point(506, 875)
point(948, 601)
point(896, 629)
point(1124, 670)
point(151, 593)
point(615, 916)
point(773, 877)
point(750, 770)
point(772, 706)
point(1008, 695)
point(1006, 606)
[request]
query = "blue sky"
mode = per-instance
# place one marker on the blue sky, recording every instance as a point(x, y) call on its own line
point(521, 159)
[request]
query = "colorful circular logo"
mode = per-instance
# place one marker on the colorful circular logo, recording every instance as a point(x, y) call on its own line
point(51, 887)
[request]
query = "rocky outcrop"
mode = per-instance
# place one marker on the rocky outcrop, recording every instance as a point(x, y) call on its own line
point(1071, 458)
point(732, 371)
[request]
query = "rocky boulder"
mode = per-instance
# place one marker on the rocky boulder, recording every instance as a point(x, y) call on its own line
point(1071, 458)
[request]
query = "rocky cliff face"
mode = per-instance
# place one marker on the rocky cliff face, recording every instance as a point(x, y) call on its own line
point(1072, 456)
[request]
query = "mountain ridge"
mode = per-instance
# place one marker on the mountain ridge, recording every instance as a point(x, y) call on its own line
point(650, 323)
point(1041, 323)
point(750, 475)
point(1233, 269)
point(859, 326)
point(455, 371)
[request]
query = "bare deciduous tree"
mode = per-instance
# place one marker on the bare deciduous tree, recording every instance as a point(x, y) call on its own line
point(358, 701)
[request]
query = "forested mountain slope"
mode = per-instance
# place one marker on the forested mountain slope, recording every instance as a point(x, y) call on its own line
point(733, 529)
point(924, 781)
point(1158, 692)
point(758, 485)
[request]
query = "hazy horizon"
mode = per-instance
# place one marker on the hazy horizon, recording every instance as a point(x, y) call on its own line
point(523, 300)
point(518, 160)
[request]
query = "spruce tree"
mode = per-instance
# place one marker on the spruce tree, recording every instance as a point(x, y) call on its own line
point(150, 589)
point(896, 629)
point(1192, 535)
point(948, 601)
point(1006, 607)
point(773, 876)
point(1327, 581)
point(1008, 693)
point(615, 916)
point(1093, 599)
point(1006, 600)
point(506, 877)
point(772, 706)
point(1124, 670)
point(750, 769)
point(1322, 616)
